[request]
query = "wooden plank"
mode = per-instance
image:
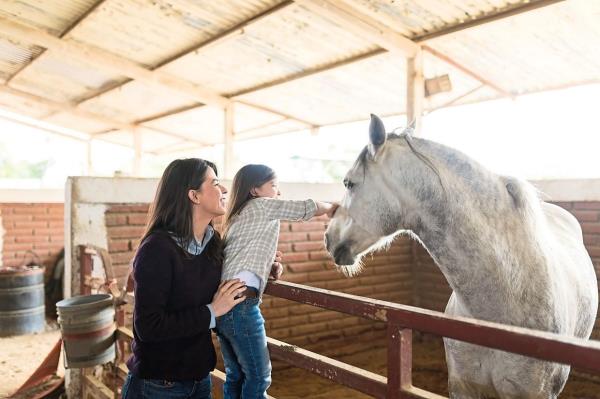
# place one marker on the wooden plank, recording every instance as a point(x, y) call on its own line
point(94, 387)
point(103, 59)
point(524, 341)
point(399, 360)
point(342, 373)
point(125, 334)
point(346, 14)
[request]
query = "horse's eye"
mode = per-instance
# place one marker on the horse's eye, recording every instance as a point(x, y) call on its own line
point(348, 184)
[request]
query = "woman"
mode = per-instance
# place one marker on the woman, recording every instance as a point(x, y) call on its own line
point(177, 271)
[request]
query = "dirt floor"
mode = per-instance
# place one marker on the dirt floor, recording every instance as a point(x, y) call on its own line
point(429, 372)
point(21, 355)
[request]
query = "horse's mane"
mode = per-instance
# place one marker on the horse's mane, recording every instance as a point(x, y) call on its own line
point(438, 157)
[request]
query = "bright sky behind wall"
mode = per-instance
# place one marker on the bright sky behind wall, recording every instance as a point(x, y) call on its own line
point(546, 135)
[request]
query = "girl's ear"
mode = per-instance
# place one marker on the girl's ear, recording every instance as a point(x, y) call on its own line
point(253, 192)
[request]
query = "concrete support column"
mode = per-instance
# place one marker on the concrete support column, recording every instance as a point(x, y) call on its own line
point(89, 171)
point(415, 91)
point(228, 142)
point(137, 157)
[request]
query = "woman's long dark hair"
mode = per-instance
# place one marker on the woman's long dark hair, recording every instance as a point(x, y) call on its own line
point(171, 211)
point(249, 177)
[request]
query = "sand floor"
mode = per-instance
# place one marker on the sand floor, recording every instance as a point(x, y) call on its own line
point(21, 355)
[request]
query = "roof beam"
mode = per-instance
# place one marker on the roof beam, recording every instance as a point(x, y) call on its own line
point(55, 132)
point(63, 35)
point(68, 108)
point(166, 133)
point(46, 129)
point(509, 11)
point(456, 99)
point(136, 72)
point(272, 111)
point(467, 71)
point(347, 15)
point(308, 72)
point(91, 116)
point(110, 62)
point(221, 38)
point(504, 13)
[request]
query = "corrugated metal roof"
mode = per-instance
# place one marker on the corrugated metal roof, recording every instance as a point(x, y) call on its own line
point(519, 54)
point(13, 55)
point(53, 16)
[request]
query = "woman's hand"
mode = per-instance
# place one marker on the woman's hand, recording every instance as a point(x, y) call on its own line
point(276, 270)
point(225, 297)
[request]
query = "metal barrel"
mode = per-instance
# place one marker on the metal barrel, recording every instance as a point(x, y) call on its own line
point(21, 301)
point(87, 325)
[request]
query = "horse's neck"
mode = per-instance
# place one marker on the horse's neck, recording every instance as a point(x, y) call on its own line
point(489, 256)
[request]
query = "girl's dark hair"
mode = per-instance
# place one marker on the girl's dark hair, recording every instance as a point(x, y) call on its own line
point(171, 211)
point(249, 177)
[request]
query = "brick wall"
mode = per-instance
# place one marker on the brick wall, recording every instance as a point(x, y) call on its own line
point(34, 227)
point(124, 227)
point(432, 290)
point(386, 276)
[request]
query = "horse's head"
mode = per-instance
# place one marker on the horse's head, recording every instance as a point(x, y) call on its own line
point(379, 197)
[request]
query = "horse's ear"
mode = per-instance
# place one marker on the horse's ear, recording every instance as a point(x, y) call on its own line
point(376, 135)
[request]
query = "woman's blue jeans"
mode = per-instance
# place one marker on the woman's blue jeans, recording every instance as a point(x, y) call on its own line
point(141, 388)
point(243, 341)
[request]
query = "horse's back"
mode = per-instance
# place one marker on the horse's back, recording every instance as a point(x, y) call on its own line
point(562, 223)
point(574, 270)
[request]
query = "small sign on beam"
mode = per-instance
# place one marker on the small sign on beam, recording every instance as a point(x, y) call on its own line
point(438, 84)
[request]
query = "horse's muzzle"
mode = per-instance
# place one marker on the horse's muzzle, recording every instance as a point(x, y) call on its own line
point(342, 255)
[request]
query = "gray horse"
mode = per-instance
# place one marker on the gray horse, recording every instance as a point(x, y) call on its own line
point(508, 256)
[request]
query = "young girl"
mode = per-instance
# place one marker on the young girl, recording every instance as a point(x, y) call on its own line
point(251, 235)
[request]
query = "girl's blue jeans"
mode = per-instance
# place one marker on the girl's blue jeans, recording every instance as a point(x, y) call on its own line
point(243, 340)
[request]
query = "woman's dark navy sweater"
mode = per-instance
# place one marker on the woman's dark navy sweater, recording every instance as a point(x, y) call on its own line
point(172, 339)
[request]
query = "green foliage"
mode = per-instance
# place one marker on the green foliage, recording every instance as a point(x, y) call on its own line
point(10, 168)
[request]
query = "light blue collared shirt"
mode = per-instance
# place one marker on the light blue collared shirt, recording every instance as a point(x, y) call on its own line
point(196, 248)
